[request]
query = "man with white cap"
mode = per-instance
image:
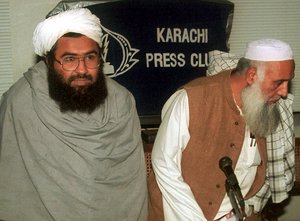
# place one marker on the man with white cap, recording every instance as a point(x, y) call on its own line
point(70, 144)
point(233, 114)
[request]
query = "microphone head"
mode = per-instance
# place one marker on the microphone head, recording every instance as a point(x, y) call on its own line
point(225, 162)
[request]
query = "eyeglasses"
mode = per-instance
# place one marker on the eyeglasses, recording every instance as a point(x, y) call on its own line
point(71, 63)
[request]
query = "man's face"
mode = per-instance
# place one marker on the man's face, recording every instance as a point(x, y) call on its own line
point(275, 83)
point(69, 48)
point(259, 99)
point(78, 84)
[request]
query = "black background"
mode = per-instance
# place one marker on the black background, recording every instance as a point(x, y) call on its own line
point(137, 21)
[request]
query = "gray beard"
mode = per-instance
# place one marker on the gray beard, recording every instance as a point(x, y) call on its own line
point(262, 118)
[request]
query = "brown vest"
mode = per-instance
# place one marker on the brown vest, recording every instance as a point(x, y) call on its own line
point(216, 130)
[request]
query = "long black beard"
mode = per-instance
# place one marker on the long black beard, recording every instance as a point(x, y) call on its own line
point(82, 99)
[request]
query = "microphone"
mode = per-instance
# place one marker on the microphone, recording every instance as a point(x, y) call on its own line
point(225, 165)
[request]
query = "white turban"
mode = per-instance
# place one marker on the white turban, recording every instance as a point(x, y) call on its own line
point(79, 20)
point(268, 50)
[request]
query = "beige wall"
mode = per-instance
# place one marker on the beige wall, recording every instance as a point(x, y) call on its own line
point(25, 15)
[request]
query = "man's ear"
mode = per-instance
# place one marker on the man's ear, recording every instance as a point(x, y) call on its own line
point(251, 75)
point(46, 59)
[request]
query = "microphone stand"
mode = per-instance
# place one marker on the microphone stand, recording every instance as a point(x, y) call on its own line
point(232, 188)
point(233, 200)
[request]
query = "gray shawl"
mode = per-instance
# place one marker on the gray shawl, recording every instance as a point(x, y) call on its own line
point(69, 166)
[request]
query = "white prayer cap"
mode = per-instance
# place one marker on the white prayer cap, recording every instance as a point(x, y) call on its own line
point(79, 20)
point(268, 50)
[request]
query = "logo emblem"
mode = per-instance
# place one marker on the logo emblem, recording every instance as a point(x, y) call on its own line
point(128, 53)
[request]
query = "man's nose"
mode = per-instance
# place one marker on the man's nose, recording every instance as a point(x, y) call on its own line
point(283, 89)
point(81, 68)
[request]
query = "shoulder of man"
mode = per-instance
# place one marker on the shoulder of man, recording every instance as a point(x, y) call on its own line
point(116, 89)
point(17, 92)
point(20, 92)
point(214, 79)
point(121, 95)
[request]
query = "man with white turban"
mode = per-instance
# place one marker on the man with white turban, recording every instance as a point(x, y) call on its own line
point(230, 120)
point(70, 144)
